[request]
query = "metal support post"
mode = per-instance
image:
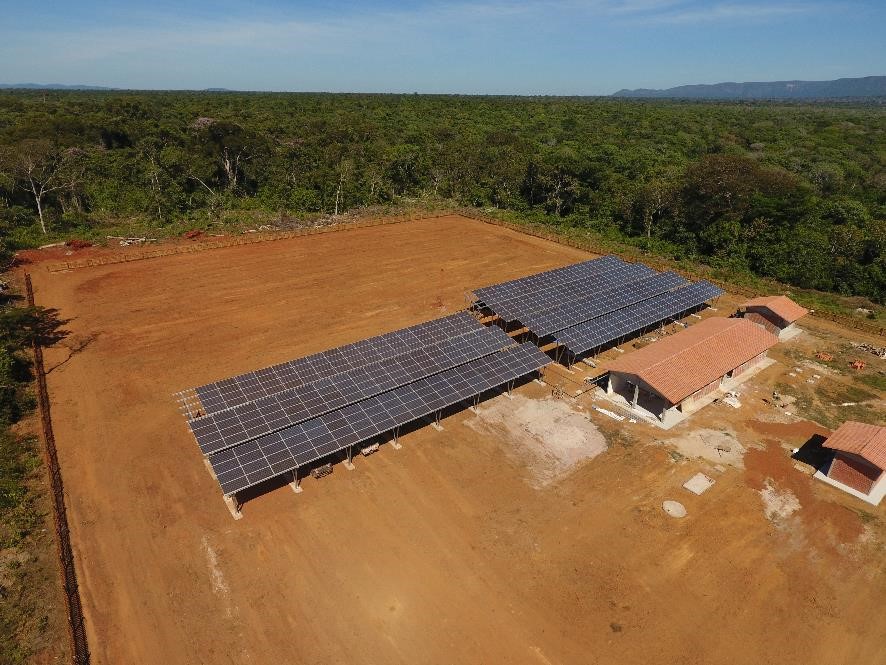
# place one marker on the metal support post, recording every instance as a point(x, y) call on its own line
point(395, 444)
point(349, 462)
point(296, 482)
point(233, 505)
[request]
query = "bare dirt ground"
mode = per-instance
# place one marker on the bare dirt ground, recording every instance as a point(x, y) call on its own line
point(448, 550)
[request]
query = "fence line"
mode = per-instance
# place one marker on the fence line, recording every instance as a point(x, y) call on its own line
point(77, 629)
point(658, 264)
point(234, 241)
point(526, 229)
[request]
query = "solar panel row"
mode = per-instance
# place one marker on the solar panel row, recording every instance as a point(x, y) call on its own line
point(274, 454)
point(602, 302)
point(547, 279)
point(261, 383)
point(231, 427)
point(611, 327)
point(519, 306)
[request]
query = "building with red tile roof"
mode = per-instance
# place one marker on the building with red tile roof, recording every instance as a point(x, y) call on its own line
point(859, 457)
point(775, 313)
point(675, 373)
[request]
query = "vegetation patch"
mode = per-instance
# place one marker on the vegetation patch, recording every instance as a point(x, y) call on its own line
point(754, 191)
point(31, 609)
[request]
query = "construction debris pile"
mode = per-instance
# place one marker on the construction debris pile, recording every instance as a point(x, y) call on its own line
point(878, 351)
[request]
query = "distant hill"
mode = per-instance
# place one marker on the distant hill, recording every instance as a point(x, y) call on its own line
point(52, 86)
point(867, 86)
point(77, 86)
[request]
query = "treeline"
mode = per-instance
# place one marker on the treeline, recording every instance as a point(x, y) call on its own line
point(793, 192)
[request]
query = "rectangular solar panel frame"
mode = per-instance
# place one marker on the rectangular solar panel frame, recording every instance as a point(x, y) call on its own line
point(260, 383)
point(266, 457)
point(521, 306)
point(608, 300)
point(231, 427)
point(630, 320)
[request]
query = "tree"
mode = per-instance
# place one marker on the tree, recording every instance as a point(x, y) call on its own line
point(41, 168)
point(654, 198)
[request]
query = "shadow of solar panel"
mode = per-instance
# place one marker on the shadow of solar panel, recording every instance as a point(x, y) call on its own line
point(264, 458)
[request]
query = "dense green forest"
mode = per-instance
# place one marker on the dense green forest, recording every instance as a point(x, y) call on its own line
point(795, 192)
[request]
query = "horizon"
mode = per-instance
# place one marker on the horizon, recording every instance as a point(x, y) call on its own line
point(98, 87)
point(496, 47)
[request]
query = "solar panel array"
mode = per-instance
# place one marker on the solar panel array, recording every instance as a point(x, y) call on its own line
point(271, 380)
point(629, 320)
point(228, 428)
point(261, 424)
point(545, 280)
point(266, 457)
point(519, 305)
point(588, 307)
point(595, 302)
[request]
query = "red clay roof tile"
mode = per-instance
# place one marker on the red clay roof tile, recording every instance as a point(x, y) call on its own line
point(679, 365)
point(782, 306)
point(867, 441)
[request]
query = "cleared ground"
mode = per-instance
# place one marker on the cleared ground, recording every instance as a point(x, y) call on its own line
point(451, 549)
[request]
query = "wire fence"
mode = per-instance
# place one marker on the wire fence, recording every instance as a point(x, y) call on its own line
point(79, 646)
point(526, 229)
point(235, 241)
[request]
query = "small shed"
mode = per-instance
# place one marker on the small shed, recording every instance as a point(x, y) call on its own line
point(777, 314)
point(859, 459)
point(676, 374)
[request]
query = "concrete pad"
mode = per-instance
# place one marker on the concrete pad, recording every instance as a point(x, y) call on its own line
point(790, 333)
point(874, 498)
point(674, 508)
point(699, 483)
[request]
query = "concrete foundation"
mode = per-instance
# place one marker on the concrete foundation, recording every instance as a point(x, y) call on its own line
point(234, 507)
point(878, 491)
point(657, 411)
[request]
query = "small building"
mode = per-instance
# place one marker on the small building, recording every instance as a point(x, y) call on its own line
point(775, 313)
point(858, 461)
point(676, 375)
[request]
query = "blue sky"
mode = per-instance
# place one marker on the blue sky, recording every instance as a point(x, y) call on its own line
point(487, 46)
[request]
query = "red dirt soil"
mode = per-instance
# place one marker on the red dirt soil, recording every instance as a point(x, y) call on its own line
point(438, 553)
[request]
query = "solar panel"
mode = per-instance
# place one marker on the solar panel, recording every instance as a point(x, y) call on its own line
point(269, 456)
point(588, 307)
point(547, 279)
point(523, 307)
point(629, 320)
point(228, 428)
point(270, 380)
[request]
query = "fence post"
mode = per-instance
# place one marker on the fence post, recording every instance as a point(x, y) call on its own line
point(77, 631)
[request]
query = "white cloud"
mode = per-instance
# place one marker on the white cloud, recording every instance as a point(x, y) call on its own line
point(161, 47)
point(732, 12)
